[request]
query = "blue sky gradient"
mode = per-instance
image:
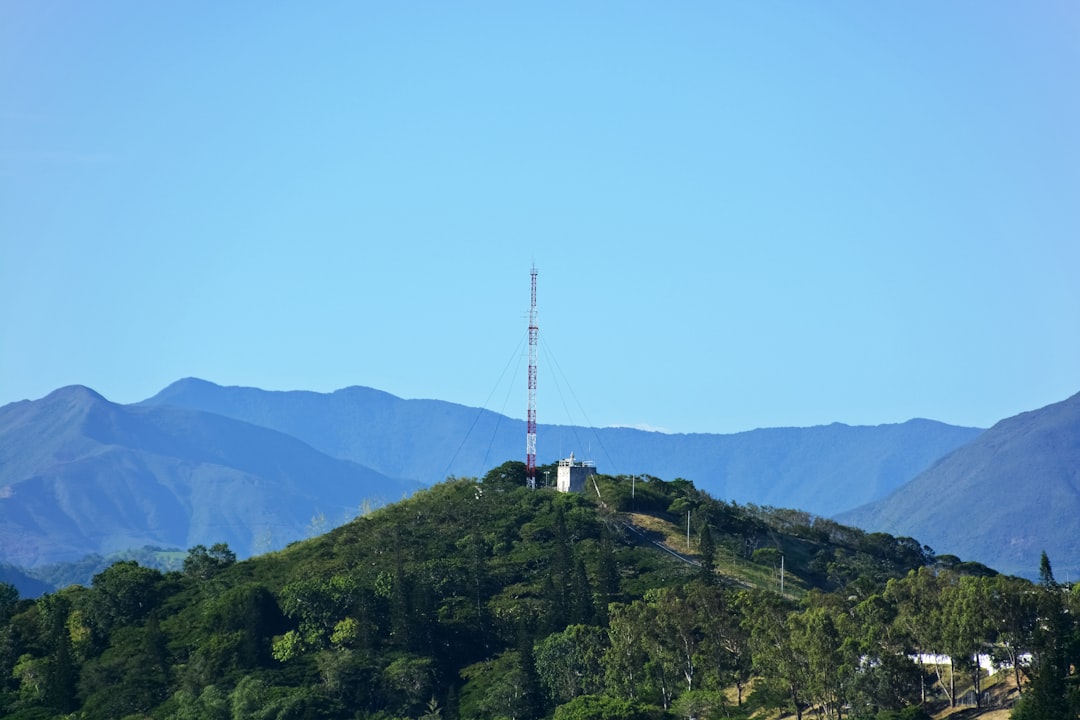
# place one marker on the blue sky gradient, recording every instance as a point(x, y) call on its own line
point(744, 214)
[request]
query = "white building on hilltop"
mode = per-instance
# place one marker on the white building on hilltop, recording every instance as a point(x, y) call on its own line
point(572, 473)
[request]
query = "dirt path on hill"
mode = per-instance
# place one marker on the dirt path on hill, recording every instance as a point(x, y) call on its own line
point(643, 535)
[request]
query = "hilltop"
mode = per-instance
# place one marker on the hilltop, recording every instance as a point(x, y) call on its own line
point(484, 599)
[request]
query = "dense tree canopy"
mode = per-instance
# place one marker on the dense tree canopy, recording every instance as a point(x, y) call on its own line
point(481, 599)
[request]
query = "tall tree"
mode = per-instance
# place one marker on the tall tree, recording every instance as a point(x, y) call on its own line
point(607, 576)
point(1046, 573)
point(202, 563)
point(775, 656)
point(967, 630)
point(1049, 696)
point(678, 632)
point(60, 672)
point(818, 657)
point(124, 594)
point(497, 688)
point(582, 605)
point(725, 643)
point(917, 598)
point(625, 659)
point(1012, 610)
point(570, 663)
point(886, 678)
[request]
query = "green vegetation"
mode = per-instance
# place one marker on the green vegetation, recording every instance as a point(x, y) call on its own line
point(486, 600)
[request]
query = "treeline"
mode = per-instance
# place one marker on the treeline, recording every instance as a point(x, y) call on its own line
point(485, 600)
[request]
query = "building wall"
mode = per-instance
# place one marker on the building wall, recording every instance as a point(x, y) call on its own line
point(571, 475)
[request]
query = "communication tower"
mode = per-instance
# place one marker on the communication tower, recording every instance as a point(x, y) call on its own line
point(530, 438)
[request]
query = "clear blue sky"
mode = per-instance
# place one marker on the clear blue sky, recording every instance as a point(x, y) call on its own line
point(745, 214)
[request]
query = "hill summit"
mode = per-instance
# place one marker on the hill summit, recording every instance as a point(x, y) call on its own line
point(486, 600)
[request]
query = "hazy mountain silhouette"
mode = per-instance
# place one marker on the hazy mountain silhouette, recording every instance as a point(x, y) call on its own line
point(822, 469)
point(1001, 499)
point(26, 585)
point(79, 475)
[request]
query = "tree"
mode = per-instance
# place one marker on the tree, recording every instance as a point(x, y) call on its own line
point(775, 654)
point(123, 594)
point(318, 605)
point(966, 626)
point(31, 672)
point(1046, 573)
point(918, 621)
point(249, 696)
point(570, 663)
point(560, 567)
point(601, 707)
point(1049, 697)
point(411, 681)
point(497, 688)
point(202, 563)
point(511, 474)
point(700, 704)
point(131, 677)
point(9, 599)
point(667, 662)
point(210, 704)
point(607, 576)
point(625, 659)
point(819, 662)
point(60, 671)
point(1013, 613)
point(239, 623)
point(678, 632)
point(886, 678)
point(725, 639)
point(582, 607)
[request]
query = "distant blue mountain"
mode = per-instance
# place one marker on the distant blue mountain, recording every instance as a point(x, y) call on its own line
point(27, 585)
point(1001, 500)
point(201, 463)
point(823, 470)
point(81, 475)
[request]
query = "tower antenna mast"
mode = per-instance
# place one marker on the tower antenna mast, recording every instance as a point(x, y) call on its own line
point(530, 438)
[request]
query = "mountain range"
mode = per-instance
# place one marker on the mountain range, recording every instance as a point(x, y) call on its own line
point(80, 475)
point(822, 470)
point(1002, 499)
point(200, 463)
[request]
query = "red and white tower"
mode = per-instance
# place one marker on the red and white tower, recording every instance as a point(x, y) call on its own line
point(530, 438)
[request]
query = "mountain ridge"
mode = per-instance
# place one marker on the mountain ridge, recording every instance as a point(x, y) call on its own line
point(1018, 484)
point(821, 469)
point(80, 474)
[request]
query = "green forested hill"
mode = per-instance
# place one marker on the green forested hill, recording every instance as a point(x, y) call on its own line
point(486, 600)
